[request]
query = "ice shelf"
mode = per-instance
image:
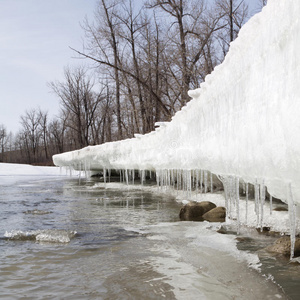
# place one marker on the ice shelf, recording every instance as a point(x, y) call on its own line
point(243, 121)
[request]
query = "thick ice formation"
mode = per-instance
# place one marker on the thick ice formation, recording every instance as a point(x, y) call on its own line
point(243, 121)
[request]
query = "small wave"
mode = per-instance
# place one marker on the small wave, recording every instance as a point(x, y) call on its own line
point(50, 236)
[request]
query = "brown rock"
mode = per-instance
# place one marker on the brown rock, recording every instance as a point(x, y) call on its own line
point(217, 214)
point(281, 208)
point(283, 246)
point(193, 211)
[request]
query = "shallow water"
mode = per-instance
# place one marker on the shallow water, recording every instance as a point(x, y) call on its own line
point(64, 240)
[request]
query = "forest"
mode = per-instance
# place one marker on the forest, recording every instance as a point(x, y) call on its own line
point(141, 58)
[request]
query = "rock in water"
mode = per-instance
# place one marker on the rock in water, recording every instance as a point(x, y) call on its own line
point(193, 211)
point(217, 214)
point(283, 246)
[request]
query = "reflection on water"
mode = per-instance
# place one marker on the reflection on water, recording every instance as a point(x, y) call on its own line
point(100, 255)
point(64, 240)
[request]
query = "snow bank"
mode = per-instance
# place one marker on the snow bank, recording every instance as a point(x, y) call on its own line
point(25, 170)
point(243, 121)
point(10, 173)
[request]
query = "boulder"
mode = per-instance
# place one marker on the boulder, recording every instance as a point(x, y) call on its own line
point(281, 208)
point(217, 214)
point(193, 211)
point(283, 246)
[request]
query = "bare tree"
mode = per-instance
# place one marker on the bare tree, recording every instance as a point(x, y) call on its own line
point(235, 14)
point(44, 131)
point(79, 102)
point(30, 134)
point(103, 43)
point(3, 140)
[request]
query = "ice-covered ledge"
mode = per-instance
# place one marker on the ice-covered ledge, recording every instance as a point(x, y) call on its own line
point(244, 121)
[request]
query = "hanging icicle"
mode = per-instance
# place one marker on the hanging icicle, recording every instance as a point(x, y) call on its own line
point(257, 200)
point(237, 197)
point(205, 182)
point(292, 216)
point(262, 203)
point(104, 175)
point(126, 177)
point(201, 181)
point(247, 196)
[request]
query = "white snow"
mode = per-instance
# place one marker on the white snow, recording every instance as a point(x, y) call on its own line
point(14, 172)
point(242, 122)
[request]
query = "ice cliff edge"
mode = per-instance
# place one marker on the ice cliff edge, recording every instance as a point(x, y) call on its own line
point(243, 121)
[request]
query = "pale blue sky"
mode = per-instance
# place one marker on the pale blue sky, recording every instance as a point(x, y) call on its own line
point(35, 36)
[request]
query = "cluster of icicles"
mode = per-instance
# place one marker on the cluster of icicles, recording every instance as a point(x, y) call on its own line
point(201, 181)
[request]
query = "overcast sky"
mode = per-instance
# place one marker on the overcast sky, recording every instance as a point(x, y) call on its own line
point(35, 36)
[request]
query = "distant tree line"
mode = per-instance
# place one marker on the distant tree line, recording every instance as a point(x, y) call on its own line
point(144, 56)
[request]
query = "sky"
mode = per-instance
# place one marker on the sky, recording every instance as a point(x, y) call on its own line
point(35, 41)
point(35, 36)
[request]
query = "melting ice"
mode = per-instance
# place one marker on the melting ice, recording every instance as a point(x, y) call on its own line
point(242, 124)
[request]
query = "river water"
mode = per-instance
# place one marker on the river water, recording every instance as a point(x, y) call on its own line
point(65, 239)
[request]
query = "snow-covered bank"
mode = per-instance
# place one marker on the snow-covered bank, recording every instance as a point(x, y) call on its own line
point(243, 121)
point(14, 172)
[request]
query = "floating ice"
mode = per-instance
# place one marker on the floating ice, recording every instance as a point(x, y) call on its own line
point(50, 235)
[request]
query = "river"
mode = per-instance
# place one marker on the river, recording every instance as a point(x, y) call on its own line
point(65, 239)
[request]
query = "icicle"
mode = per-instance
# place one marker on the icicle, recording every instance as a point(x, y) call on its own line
point(237, 197)
point(143, 177)
point(189, 183)
point(201, 182)
point(104, 175)
point(157, 179)
point(183, 180)
point(172, 178)
point(292, 215)
point(232, 194)
point(109, 174)
point(225, 185)
point(262, 203)
point(197, 181)
point(205, 182)
point(168, 178)
point(79, 177)
point(126, 176)
point(132, 175)
point(247, 196)
point(211, 183)
point(256, 192)
point(271, 204)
